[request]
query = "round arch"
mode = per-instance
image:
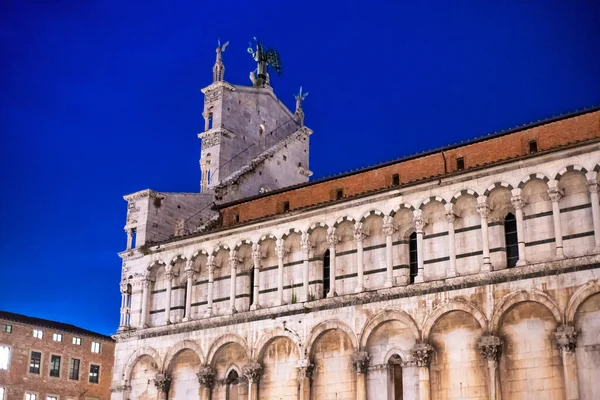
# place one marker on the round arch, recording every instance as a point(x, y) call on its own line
point(523, 296)
point(197, 253)
point(454, 305)
point(267, 237)
point(290, 232)
point(372, 212)
point(432, 199)
point(570, 168)
point(222, 341)
point(497, 185)
point(317, 225)
point(533, 176)
point(344, 219)
point(464, 192)
point(385, 316)
point(178, 348)
point(220, 246)
point(241, 243)
point(178, 257)
point(262, 343)
point(134, 358)
point(325, 326)
point(582, 294)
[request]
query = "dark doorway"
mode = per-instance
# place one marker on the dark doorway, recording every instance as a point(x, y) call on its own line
point(326, 280)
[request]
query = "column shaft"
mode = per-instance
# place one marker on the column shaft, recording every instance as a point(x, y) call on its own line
point(389, 262)
point(233, 283)
point(169, 277)
point(570, 375)
point(145, 286)
point(188, 295)
point(420, 260)
point(593, 189)
point(518, 204)
point(360, 266)
point(122, 319)
point(361, 386)
point(209, 295)
point(256, 256)
point(557, 229)
point(450, 218)
point(332, 291)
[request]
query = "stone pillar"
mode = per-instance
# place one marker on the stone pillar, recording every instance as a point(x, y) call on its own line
point(233, 264)
point(419, 229)
point(484, 212)
point(450, 218)
point(388, 231)
point(252, 372)
point(206, 379)
point(163, 384)
point(359, 236)
point(361, 359)
point(169, 276)
point(144, 312)
point(333, 240)
point(211, 283)
point(256, 256)
point(189, 274)
point(305, 373)
point(593, 189)
point(566, 340)
point(489, 347)
point(555, 195)
point(204, 170)
point(305, 247)
point(123, 318)
point(422, 356)
point(518, 203)
point(279, 249)
point(129, 238)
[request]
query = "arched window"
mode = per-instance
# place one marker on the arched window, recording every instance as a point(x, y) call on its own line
point(412, 256)
point(251, 298)
point(512, 242)
point(232, 385)
point(395, 377)
point(326, 281)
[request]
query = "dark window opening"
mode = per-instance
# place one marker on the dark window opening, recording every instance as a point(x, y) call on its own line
point(286, 206)
point(133, 237)
point(55, 366)
point(284, 158)
point(412, 253)
point(395, 376)
point(511, 239)
point(339, 194)
point(34, 364)
point(460, 163)
point(210, 121)
point(236, 217)
point(232, 384)
point(94, 373)
point(251, 287)
point(395, 179)
point(326, 269)
point(533, 147)
point(74, 370)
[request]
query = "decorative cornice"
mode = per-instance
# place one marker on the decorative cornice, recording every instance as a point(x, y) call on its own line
point(140, 195)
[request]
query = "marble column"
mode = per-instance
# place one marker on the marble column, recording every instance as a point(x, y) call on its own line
point(419, 223)
point(555, 195)
point(305, 374)
point(169, 277)
point(280, 250)
point(360, 360)
point(484, 213)
point(489, 347)
point(359, 237)
point(189, 274)
point(211, 283)
point(233, 264)
point(566, 341)
point(593, 189)
point(129, 238)
point(256, 257)
point(252, 371)
point(422, 356)
point(163, 384)
point(333, 240)
point(450, 218)
point(518, 203)
point(122, 320)
point(145, 294)
point(305, 247)
point(206, 379)
point(388, 230)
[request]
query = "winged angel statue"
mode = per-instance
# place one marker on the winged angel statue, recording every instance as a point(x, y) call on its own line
point(219, 68)
point(264, 57)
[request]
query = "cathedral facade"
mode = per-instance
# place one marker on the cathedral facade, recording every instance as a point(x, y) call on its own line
point(470, 271)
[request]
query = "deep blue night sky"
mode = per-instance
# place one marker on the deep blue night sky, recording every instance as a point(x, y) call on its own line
point(99, 99)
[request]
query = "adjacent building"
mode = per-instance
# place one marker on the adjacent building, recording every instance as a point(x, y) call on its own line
point(48, 360)
point(470, 271)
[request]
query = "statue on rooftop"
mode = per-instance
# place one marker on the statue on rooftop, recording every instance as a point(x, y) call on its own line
point(219, 68)
point(265, 58)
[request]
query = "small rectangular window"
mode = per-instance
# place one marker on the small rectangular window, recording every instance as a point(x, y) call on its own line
point(50, 397)
point(4, 357)
point(77, 341)
point(74, 369)
point(95, 347)
point(286, 206)
point(210, 121)
point(460, 163)
point(8, 329)
point(38, 334)
point(284, 158)
point(339, 194)
point(396, 179)
point(57, 337)
point(30, 396)
point(533, 147)
point(94, 373)
point(1, 393)
point(236, 217)
point(55, 366)
point(35, 362)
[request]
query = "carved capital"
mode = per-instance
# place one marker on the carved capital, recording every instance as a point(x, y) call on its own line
point(305, 369)
point(360, 360)
point(169, 275)
point(163, 382)
point(252, 371)
point(450, 217)
point(517, 201)
point(566, 338)
point(123, 288)
point(233, 261)
point(279, 249)
point(555, 194)
point(359, 233)
point(419, 224)
point(388, 229)
point(189, 273)
point(210, 264)
point(256, 256)
point(422, 354)
point(484, 210)
point(489, 347)
point(305, 243)
point(592, 185)
point(206, 376)
point(332, 238)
